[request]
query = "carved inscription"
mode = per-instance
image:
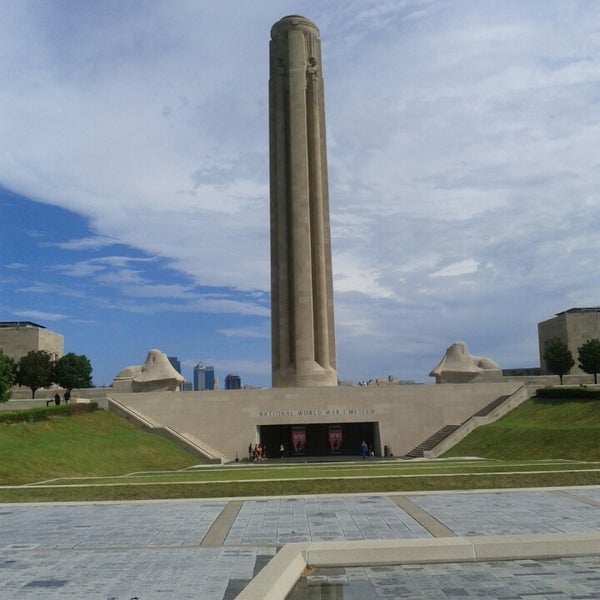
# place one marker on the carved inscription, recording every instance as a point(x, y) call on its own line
point(317, 412)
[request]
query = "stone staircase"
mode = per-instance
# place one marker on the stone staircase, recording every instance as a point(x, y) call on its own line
point(486, 410)
point(431, 441)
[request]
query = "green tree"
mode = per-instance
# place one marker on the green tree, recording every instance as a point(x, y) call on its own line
point(7, 376)
point(559, 358)
point(589, 357)
point(35, 370)
point(73, 371)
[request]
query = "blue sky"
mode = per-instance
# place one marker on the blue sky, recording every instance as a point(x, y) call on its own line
point(463, 164)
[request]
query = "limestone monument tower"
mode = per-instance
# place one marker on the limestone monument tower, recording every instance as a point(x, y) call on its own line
point(302, 328)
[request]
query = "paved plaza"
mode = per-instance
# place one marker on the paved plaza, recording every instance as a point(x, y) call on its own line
point(211, 549)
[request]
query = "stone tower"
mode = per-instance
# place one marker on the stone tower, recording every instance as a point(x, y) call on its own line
point(302, 328)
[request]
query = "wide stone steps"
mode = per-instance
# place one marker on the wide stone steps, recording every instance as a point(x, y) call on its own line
point(432, 441)
point(486, 410)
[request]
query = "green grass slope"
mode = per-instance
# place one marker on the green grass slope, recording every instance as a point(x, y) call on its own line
point(538, 429)
point(88, 444)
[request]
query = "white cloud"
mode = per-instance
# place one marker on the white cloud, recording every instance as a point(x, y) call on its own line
point(464, 267)
point(39, 315)
point(355, 274)
point(95, 243)
point(246, 332)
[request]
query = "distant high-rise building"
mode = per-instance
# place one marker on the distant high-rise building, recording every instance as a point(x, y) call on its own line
point(233, 382)
point(204, 377)
point(175, 363)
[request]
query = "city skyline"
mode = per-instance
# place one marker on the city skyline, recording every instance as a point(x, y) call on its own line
point(134, 185)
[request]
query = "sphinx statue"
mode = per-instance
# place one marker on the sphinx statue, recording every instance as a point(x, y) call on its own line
point(458, 366)
point(155, 375)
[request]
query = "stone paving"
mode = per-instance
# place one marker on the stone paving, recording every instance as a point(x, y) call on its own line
point(143, 573)
point(506, 513)
point(107, 525)
point(154, 550)
point(282, 521)
point(593, 493)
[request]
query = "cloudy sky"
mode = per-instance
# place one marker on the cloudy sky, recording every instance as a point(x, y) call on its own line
point(463, 141)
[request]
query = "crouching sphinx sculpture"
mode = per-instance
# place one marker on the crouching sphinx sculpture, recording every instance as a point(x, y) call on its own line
point(155, 375)
point(458, 366)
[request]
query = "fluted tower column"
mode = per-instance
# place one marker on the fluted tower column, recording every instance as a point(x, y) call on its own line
point(302, 327)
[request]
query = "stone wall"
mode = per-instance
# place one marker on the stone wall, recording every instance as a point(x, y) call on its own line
point(574, 327)
point(18, 341)
point(229, 420)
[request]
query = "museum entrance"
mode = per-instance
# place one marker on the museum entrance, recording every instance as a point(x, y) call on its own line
point(319, 439)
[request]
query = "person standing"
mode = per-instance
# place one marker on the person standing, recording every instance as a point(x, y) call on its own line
point(364, 449)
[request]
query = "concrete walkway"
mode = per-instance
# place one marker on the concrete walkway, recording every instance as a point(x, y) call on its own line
point(212, 549)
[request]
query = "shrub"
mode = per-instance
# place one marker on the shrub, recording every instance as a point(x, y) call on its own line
point(42, 413)
point(569, 393)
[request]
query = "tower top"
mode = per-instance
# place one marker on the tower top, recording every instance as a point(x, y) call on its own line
point(293, 22)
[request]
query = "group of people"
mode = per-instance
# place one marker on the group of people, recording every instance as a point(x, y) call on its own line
point(366, 450)
point(257, 452)
point(66, 398)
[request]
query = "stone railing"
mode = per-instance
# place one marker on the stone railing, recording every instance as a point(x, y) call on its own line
point(185, 440)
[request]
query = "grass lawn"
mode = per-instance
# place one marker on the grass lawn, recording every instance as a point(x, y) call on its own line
point(126, 489)
point(96, 443)
point(272, 471)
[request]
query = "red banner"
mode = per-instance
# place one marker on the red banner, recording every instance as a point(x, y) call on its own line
point(298, 439)
point(336, 437)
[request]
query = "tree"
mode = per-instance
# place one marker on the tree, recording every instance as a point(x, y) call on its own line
point(7, 376)
point(35, 370)
point(589, 357)
point(558, 357)
point(73, 371)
